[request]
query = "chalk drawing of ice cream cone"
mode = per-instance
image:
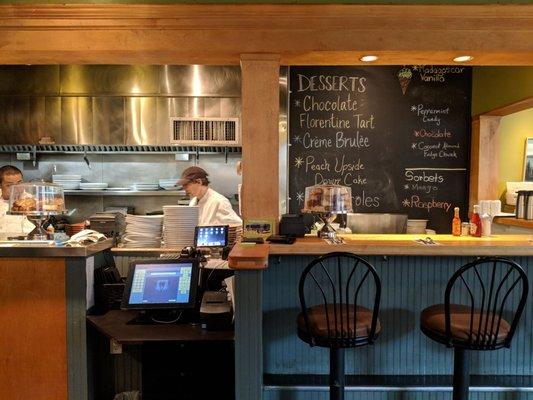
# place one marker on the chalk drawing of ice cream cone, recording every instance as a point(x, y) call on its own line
point(404, 77)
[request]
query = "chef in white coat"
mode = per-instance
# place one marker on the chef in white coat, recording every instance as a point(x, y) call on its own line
point(11, 225)
point(213, 208)
point(9, 176)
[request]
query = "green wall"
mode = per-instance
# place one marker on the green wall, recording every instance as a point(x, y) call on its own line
point(514, 129)
point(493, 87)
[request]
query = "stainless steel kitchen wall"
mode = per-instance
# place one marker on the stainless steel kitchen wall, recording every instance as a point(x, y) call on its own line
point(111, 104)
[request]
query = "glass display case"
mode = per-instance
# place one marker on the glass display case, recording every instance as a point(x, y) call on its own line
point(327, 201)
point(38, 201)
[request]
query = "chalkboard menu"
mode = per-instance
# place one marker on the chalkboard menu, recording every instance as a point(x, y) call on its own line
point(398, 136)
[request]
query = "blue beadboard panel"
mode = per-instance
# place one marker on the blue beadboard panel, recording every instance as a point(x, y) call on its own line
point(409, 284)
point(324, 395)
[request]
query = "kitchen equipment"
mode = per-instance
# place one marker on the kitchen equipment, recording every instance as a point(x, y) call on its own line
point(512, 190)
point(295, 225)
point(522, 203)
point(326, 201)
point(109, 223)
point(376, 222)
point(529, 205)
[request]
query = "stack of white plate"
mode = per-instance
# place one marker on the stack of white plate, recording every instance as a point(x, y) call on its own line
point(234, 234)
point(168, 184)
point(69, 182)
point(178, 225)
point(143, 231)
point(145, 186)
point(92, 186)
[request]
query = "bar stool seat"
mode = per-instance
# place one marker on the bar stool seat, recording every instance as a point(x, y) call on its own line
point(491, 287)
point(433, 324)
point(346, 331)
point(334, 283)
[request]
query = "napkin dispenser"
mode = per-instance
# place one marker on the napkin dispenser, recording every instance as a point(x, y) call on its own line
point(295, 225)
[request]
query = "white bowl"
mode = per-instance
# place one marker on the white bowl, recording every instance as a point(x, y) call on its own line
point(416, 226)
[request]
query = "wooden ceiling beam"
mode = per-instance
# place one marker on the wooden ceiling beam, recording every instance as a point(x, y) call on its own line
point(300, 34)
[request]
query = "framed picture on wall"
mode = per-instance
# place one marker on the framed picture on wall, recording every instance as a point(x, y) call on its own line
point(528, 161)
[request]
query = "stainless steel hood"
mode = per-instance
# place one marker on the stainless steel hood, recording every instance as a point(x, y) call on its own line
point(101, 108)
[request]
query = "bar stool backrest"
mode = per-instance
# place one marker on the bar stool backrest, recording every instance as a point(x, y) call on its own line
point(491, 287)
point(340, 279)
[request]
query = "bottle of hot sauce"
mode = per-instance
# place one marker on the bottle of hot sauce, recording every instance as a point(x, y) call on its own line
point(456, 223)
point(475, 223)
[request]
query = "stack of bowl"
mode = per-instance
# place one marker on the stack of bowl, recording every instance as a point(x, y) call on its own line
point(168, 184)
point(416, 226)
point(68, 182)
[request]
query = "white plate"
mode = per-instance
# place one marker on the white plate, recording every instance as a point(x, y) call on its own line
point(72, 177)
point(67, 186)
point(85, 185)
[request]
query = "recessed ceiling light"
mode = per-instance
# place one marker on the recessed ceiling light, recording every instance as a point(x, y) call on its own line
point(368, 58)
point(463, 58)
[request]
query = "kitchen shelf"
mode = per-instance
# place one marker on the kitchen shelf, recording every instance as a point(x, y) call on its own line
point(173, 193)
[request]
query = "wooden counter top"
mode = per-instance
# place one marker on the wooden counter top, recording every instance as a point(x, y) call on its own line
point(249, 256)
point(56, 252)
point(447, 245)
point(255, 257)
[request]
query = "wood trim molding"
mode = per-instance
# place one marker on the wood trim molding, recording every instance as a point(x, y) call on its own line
point(511, 108)
point(300, 34)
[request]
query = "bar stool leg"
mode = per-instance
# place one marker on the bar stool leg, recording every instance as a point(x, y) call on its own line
point(336, 374)
point(461, 373)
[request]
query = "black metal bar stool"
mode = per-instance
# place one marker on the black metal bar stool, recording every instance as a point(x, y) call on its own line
point(492, 288)
point(337, 321)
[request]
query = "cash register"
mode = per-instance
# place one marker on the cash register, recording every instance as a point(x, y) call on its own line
point(163, 290)
point(184, 287)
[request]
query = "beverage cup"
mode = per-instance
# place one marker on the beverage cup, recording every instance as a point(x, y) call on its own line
point(495, 207)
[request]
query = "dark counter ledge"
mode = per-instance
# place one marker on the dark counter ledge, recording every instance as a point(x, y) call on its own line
point(55, 252)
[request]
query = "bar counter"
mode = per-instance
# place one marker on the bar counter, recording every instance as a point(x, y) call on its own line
point(272, 363)
point(44, 295)
point(404, 245)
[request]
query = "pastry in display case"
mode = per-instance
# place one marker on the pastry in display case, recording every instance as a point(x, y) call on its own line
point(327, 201)
point(38, 201)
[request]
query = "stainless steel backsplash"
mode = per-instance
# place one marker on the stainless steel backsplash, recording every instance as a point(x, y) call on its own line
point(115, 104)
point(111, 104)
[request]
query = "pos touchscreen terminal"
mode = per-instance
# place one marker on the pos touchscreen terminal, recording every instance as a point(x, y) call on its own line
point(166, 286)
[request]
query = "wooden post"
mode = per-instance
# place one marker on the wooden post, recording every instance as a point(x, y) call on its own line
point(484, 159)
point(260, 136)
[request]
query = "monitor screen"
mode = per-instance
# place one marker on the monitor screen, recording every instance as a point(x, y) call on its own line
point(211, 236)
point(161, 284)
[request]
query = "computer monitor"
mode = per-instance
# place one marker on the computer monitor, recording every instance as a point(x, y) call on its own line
point(211, 236)
point(161, 284)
